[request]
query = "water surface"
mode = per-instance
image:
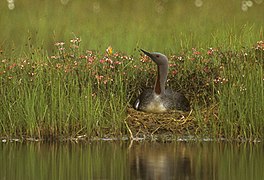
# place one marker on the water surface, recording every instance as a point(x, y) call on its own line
point(137, 160)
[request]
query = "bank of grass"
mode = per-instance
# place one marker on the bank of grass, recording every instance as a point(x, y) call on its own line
point(83, 93)
point(77, 89)
point(241, 107)
point(61, 96)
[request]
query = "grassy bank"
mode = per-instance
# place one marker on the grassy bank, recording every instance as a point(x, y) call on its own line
point(60, 78)
point(76, 92)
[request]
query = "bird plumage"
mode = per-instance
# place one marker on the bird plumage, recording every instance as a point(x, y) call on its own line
point(159, 99)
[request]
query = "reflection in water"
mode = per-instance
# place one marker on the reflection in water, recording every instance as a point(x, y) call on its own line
point(141, 160)
point(172, 161)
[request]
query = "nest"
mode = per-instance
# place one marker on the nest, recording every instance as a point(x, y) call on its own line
point(171, 123)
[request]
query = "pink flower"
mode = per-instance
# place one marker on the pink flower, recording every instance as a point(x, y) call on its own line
point(210, 51)
point(195, 52)
point(11, 66)
point(90, 60)
point(99, 77)
point(110, 61)
point(102, 61)
point(174, 72)
point(118, 62)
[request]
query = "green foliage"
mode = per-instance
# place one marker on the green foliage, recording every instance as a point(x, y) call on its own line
point(241, 99)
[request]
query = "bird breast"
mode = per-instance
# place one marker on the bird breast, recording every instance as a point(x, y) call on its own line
point(156, 105)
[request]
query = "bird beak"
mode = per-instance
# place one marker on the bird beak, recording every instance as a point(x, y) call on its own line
point(147, 53)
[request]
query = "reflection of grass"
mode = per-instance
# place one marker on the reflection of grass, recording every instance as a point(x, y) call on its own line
point(76, 92)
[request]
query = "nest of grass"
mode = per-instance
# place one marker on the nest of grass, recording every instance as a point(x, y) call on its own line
point(141, 124)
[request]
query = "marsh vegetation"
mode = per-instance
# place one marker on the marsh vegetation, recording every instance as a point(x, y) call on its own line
point(73, 70)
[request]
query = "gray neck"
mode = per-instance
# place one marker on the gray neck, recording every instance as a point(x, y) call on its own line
point(161, 79)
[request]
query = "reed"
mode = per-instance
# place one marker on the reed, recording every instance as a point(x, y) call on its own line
point(241, 99)
point(62, 95)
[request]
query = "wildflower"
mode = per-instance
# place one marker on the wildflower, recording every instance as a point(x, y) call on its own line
point(75, 41)
point(172, 65)
point(75, 63)
point(125, 57)
point(174, 72)
point(144, 59)
point(180, 58)
point(110, 61)
point(32, 73)
point(58, 66)
point(195, 52)
point(260, 45)
point(224, 80)
point(11, 66)
point(98, 77)
point(59, 43)
point(83, 57)
point(109, 50)
point(220, 80)
point(90, 60)
point(102, 61)
point(210, 51)
point(118, 62)
point(242, 88)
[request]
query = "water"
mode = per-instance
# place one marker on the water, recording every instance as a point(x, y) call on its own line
point(137, 160)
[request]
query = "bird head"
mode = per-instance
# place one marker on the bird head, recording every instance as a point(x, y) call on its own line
point(158, 58)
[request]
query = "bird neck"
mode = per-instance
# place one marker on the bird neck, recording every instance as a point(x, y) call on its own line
point(161, 79)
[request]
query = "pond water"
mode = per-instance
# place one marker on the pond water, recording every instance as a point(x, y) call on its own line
point(131, 160)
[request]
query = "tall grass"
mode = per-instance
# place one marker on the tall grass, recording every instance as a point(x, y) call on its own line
point(62, 97)
point(241, 99)
point(76, 92)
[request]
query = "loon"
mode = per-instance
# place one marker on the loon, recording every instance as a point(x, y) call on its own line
point(159, 99)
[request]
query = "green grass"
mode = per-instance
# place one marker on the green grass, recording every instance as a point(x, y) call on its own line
point(78, 88)
point(241, 102)
point(60, 98)
point(166, 26)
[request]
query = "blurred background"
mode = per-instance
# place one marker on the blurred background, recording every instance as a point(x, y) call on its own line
point(163, 25)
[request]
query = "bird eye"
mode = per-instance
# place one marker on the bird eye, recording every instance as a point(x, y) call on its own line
point(157, 56)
